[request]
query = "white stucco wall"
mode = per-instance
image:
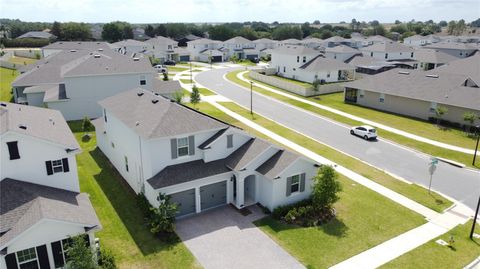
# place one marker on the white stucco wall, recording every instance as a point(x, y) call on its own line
point(219, 150)
point(35, 99)
point(31, 165)
point(390, 56)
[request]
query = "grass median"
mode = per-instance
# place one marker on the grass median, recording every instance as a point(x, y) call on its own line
point(420, 146)
point(7, 76)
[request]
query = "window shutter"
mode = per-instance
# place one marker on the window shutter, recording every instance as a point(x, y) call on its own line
point(229, 141)
point(43, 257)
point(173, 144)
point(11, 261)
point(191, 145)
point(65, 165)
point(48, 164)
point(289, 186)
point(13, 150)
point(87, 240)
point(57, 254)
point(302, 182)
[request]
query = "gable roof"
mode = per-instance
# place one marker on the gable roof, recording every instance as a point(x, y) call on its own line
point(128, 42)
point(277, 163)
point(24, 204)
point(452, 46)
point(204, 41)
point(166, 87)
point(36, 34)
point(160, 40)
point(336, 39)
point(246, 153)
point(387, 47)
point(163, 118)
point(341, 49)
point(42, 123)
point(433, 56)
point(212, 139)
point(264, 40)
point(237, 40)
point(321, 63)
point(295, 50)
point(78, 45)
point(291, 41)
point(469, 67)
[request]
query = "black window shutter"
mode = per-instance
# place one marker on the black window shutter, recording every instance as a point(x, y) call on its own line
point(87, 239)
point(48, 164)
point(11, 261)
point(65, 165)
point(57, 254)
point(13, 150)
point(43, 257)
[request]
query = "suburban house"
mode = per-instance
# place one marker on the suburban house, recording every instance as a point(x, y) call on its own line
point(139, 34)
point(41, 206)
point(130, 46)
point(418, 93)
point(286, 59)
point(199, 161)
point(37, 35)
point(290, 42)
point(166, 49)
point(182, 42)
point(376, 39)
point(312, 42)
point(337, 40)
point(460, 50)
point(419, 40)
point(430, 58)
point(388, 51)
point(205, 49)
point(264, 46)
point(73, 45)
point(74, 81)
point(341, 52)
point(241, 47)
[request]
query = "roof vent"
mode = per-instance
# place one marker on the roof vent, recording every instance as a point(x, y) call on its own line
point(432, 76)
point(137, 123)
point(3, 104)
point(22, 126)
point(157, 94)
point(96, 56)
point(404, 72)
point(154, 101)
point(73, 50)
point(139, 93)
point(100, 49)
point(136, 59)
point(79, 43)
point(98, 43)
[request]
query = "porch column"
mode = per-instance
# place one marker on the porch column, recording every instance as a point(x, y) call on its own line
point(198, 201)
point(240, 192)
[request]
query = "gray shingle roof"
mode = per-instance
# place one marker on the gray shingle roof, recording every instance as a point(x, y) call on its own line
point(246, 153)
point(433, 56)
point(78, 45)
point(161, 119)
point(24, 204)
point(342, 49)
point(469, 67)
point(160, 40)
point(209, 141)
point(452, 46)
point(42, 123)
point(321, 63)
point(277, 163)
point(128, 42)
point(387, 47)
point(295, 50)
point(36, 34)
point(204, 41)
point(166, 87)
point(55, 94)
point(237, 40)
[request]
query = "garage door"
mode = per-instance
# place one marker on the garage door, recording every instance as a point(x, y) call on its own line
point(184, 58)
point(213, 195)
point(216, 59)
point(185, 201)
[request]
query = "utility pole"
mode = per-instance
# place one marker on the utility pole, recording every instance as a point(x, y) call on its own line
point(251, 97)
point(477, 132)
point(475, 219)
point(191, 81)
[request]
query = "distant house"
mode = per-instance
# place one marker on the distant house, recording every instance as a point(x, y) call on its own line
point(290, 42)
point(41, 206)
point(162, 48)
point(199, 161)
point(460, 50)
point(388, 51)
point(418, 93)
point(205, 49)
point(429, 58)
point(139, 34)
point(418, 40)
point(37, 35)
point(182, 42)
point(130, 46)
point(312, 42)
point(241, 47)
point(73, 81)
point(341, 52)
point(337, 40)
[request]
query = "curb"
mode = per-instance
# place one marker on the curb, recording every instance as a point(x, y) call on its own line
point(474, 264)
point(454, 163)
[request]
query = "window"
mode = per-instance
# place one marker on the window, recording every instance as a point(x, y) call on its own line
point(126, 163)
point(13, 150)
point(57, 166)
point(229, 141)
point(182, 146)
point(142, 80)
point(381, 99)
point(371, 54)
point(105, 115)
point(295, 187)
point(304, 59)
point(328, 74)
point(361, 93)
point(112, 144)
point(27, 259)
point(169, 47)
point(433, 107)
point(298, 59)
point(411, 55)
point(284, 69)
point(386, 55)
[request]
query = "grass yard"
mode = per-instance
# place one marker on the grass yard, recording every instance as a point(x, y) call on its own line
point(21, 60)
point(300, 83)
point(415, 192)
point(433, 255)
point(424, 147)
point(364, 220)
point(7, 76)
point(176, 68)
point(185, 80)
point(206, 92)
point(124, 231)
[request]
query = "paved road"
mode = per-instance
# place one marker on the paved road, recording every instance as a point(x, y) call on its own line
point(461, 184)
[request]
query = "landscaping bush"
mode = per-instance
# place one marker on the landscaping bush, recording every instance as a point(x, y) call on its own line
point(144, 205)
point(281, 211)
point(162, 218)
point(24, 42)
point(106, 260)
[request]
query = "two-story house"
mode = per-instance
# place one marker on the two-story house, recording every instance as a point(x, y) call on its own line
point(341, 52)
point(388, 51)
point(241, 47)
point(199, 161)
point(41, 206)
point(206, 50)
point(287, 59)
point(130, 46)
point(162, 48)
point(73, 81)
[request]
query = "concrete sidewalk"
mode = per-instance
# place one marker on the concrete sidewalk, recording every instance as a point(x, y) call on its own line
point(369, 122)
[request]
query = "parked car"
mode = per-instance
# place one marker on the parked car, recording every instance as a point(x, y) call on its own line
point(365, 131)
point(169, 62)
point(161, 68)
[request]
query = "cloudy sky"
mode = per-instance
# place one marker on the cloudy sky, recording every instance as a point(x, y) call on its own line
point(142, 11)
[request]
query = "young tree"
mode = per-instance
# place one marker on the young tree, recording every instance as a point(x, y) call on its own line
point(57, 30)
point(470, 118)
point(195, 96)
point(440, 111)
point(178, 96)
point(80, 255)
point(165, 76)
point(316, 85)
point(87, 125)
point(325, 188)
point(162, 219)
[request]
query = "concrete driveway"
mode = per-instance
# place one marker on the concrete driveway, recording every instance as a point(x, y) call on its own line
point(224, 238)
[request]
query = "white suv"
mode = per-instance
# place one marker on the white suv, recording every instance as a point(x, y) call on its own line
point(365, 131)
point(161, 68)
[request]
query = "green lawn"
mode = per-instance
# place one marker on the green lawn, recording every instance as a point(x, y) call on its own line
point(206, 92)
point(21, 60)
point(412, 191)
point(424, 147)
point(433, 255)
point(364, 220)
point(124, 231)
point(300, 83)
point(176, 69)
point(6, 78)
point(184, 80)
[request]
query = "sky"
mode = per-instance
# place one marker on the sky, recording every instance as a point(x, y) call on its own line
point(163, 11)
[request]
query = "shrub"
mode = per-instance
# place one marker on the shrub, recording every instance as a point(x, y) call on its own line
point(165, 76)
point(25, 42)
point(177, 96)
point(325, 188)
point(80, 255)
point(106, 260)
point(162, 218)
point(144, 205)
point(281, 211)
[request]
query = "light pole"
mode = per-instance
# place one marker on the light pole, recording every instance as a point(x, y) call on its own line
point(475, 219)
point(191, 81)
point(477, 132)
point(251, 97)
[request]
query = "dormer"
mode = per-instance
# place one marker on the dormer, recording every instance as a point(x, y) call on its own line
point(223, 143)
point(470, 83)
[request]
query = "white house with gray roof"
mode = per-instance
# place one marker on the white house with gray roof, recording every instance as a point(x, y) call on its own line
point(388, 51)
point(40, 201)
point(164, 48)
point(241, 47)
point(130, 46)
point(73, 81)
point(74, 46)
point(204, 49)
point(460, 50)
point(199, 161)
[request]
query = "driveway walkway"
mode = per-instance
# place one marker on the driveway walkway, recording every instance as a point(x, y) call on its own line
point(224, 238)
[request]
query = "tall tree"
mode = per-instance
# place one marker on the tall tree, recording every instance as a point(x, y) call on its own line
point(74, 31)
point(325, 188)
point(150, 31)
point(306, 29)
point(161, 30)
point(127, 32)
point(111, 32)
point(221, 32)
point(57, 30)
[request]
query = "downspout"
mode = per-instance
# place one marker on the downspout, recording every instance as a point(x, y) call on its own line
point(141, 165)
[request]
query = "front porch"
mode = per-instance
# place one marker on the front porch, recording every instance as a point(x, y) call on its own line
point(244, 190)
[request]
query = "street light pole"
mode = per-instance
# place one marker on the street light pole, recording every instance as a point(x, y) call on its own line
point(475, 219)
point(191, 81)
point(477, 132)
point(251, 97)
